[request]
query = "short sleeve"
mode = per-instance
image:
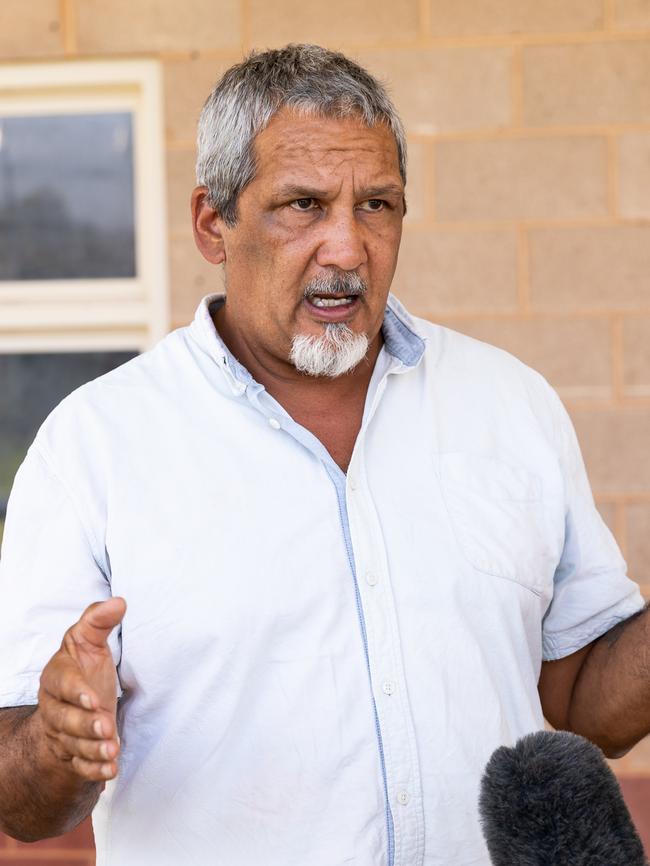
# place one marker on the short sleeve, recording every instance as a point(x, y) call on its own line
point(592, 592)
point(48, 575)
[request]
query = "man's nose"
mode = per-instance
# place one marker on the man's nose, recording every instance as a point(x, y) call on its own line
point(342, 245)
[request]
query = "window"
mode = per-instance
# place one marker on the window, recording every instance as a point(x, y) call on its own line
point(31, 385)
point(66, 197)
point(83, 247)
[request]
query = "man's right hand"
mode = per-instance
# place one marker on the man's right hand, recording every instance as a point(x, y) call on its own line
point(77, 699)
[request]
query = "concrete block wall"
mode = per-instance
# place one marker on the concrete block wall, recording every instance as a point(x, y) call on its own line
point(529, 193)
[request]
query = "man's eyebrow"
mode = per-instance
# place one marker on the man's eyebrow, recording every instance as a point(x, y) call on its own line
point(296, 191)
point(379, 191)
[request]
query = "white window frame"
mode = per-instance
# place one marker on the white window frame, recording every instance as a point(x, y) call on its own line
point(95, 314)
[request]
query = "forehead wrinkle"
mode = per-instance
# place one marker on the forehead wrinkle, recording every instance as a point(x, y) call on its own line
point(306, 138)
point(325, 155)
point(317, 154)
point(321, 169)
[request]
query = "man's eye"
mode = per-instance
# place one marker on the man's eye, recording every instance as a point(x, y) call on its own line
point(303, 204)
point(374, 204)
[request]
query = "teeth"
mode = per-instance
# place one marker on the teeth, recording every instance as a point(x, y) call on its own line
point(331, 302)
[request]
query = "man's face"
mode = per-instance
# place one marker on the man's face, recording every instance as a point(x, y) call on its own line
point(327, 200)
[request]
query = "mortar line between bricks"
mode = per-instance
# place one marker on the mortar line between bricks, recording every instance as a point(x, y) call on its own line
point(609, 15)
point(523, 272)
point(612, 175)
point(489, 314)
point(232, 54)
point(430, 184)
point(181, 145)
point(419, 43)
point(594, 404)
point(108, 57)
point(515, 314)
point(517, 86)
point(616, 332)
point(620, 527)
point(508, 133)
point(625, 498)
point(512, 223)
point(583, 393)
point(489, 134)
point(425, 20)
point(67, 15)
point(244, 11)
point(611, 499)
point(497, 40)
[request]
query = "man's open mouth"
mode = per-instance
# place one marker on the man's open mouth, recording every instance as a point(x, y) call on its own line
point(332, 308)
point(318, 301)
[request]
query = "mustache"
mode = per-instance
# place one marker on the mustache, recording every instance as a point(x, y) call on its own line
point(342, 283)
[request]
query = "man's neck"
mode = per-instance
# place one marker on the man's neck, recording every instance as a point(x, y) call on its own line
point(287, 385)
point(330, 408)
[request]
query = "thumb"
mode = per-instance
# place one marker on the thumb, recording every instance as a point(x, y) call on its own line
point(98, 621)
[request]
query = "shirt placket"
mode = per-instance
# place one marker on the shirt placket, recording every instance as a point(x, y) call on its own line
point(378, 620)
point(385, 660)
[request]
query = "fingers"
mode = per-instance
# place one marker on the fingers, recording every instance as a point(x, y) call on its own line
point(93, 751)
point(73, 679)
point(93, 771)
point(63, 680)
point(98, 621)
point(65, 719)
point(77, 695)
point(87, 739)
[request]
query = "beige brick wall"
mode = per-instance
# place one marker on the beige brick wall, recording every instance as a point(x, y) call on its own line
point(529, 192)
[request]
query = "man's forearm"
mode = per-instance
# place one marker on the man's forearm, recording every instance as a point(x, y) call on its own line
point(40, 795)
point(610, 704)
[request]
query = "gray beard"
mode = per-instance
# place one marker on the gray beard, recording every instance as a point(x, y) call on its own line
point(333, 353)
point(338, 349)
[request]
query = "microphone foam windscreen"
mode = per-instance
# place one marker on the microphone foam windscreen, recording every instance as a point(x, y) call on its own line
point(552, 799)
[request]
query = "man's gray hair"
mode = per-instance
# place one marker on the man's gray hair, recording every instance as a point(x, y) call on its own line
point(307, 78)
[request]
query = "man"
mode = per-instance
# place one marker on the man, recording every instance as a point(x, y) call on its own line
point(349, 540)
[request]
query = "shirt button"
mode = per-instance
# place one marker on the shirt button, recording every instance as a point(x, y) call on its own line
point(353, 484)
point(403, 798)
point(274, 423)
point(371, 578)
point(388, 687)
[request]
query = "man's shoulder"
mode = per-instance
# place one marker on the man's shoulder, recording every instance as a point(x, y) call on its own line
point(452, 350)
point(119, 398)
point(148, 366)
point(473, 369)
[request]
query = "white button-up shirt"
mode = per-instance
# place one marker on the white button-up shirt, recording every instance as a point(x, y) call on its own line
point(315, 667)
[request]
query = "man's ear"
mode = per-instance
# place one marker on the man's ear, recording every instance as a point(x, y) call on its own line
point(207, 227)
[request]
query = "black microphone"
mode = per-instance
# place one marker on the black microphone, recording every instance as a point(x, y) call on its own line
point(552, 800)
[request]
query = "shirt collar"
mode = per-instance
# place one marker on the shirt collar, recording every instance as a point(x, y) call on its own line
point(401, 338)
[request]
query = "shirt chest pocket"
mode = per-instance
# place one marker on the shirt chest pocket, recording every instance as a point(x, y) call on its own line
point(499, 518)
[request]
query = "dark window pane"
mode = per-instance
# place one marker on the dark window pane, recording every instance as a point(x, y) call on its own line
point(66, 197)
point(30, 387)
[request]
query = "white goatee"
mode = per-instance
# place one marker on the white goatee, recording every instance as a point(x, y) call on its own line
point(333, 353)
point(338, 349)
